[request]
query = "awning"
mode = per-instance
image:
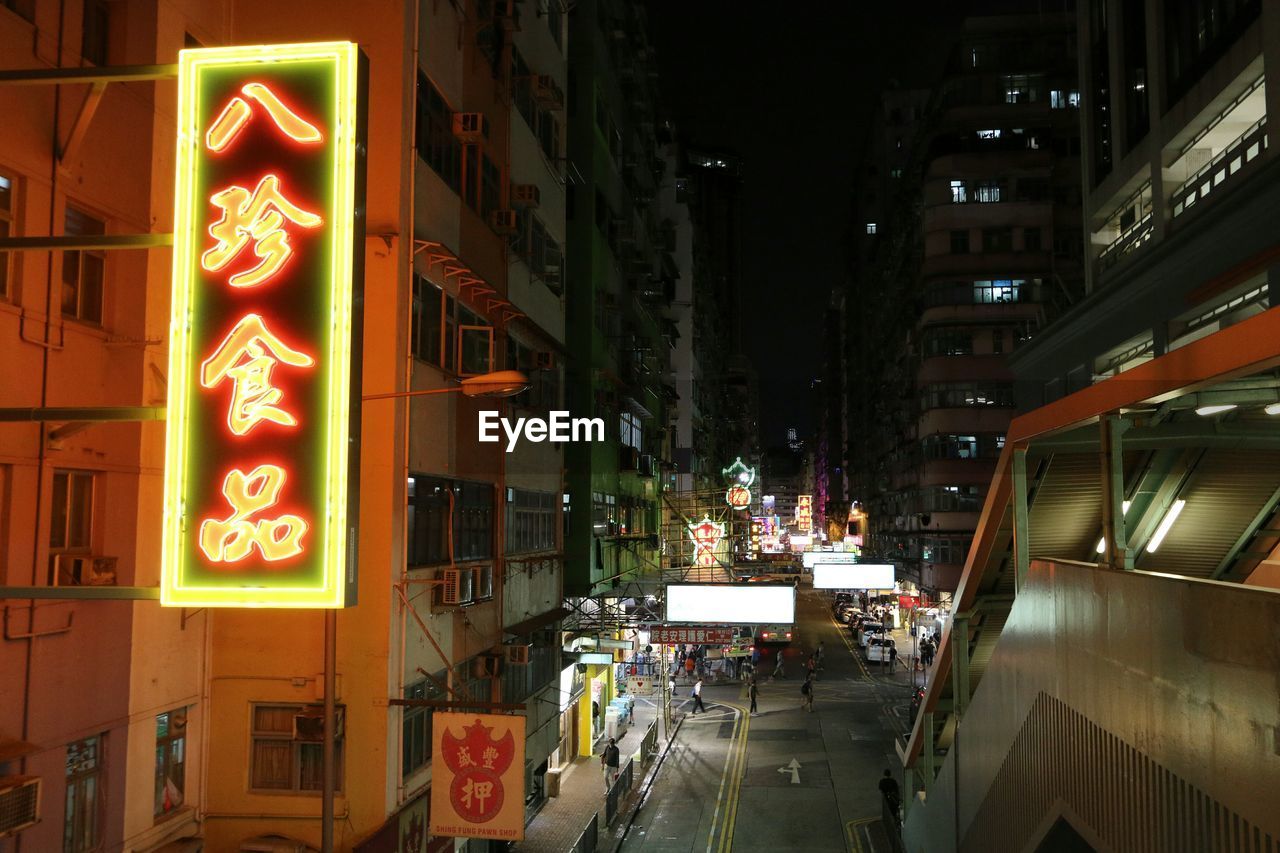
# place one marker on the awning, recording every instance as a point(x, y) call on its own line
point(528, 626)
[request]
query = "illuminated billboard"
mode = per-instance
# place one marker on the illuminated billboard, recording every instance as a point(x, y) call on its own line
point(263, 399)
point(804, 513)
point(852, 575)
point(731, 604)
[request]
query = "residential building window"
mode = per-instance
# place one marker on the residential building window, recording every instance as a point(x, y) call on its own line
point(80, 827)
point(987, 191)
point(82, 270)
point(997, 290)
point(959, 194)
point(1062, 99)
point(171, 761)
point(530, 521)
point(871, 228)
point(94, 33)
point(604, 514)
point(630, 431)
point(436, 144)
point(947, 341)
point(287, 747)
point(895, 172)
point(1031, 239)
point(952, 395)
point(997, 239)
point(949, 446)
point(959, 242)
point(446, 333)
point(432, 501)
point(490, 186)
point(544, 381)
point(7, 229)
point(415, 741)
point(70, 521)
point(23, 8)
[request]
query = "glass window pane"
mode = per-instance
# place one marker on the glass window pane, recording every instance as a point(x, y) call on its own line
point(272, 765)
point(58, 512)
point(80, 511)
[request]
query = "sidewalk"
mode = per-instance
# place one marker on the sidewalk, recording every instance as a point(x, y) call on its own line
point(557, 825)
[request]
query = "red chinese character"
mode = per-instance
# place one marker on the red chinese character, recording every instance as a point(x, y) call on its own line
point(236, 114)
point(256, 216)
point(476, 793)
point(246, 356)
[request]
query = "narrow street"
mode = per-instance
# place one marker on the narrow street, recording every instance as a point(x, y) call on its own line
point(784, 778)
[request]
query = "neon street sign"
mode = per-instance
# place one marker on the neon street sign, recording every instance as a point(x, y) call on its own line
point(263, 328)
point(706, 536)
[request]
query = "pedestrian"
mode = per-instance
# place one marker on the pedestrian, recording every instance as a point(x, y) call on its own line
point(609, 763)
point(752, 691)
point(777, 668)
point(822, 649)
point(811, 667)
point(688, 667)
point(889, 790)
point(697, 697)
point(893, 656)
point(806, 693)
point(672, 686)
point(755, 656)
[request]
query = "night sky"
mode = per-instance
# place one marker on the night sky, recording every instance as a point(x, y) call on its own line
point(788, 86)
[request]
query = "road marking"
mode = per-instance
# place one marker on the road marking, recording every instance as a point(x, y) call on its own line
point(724, 777)
point(731, 812)
point(794, 769)
point(851, 833)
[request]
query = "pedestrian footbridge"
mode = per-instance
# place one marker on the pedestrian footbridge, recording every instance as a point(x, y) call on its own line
point(1110, 676)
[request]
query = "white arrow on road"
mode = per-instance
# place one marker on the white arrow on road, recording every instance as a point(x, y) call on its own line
point(794, 769)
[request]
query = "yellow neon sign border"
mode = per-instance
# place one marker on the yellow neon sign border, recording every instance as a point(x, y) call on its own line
point(345, 55)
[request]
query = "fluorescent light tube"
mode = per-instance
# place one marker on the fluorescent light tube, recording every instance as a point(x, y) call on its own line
point(1165, 523)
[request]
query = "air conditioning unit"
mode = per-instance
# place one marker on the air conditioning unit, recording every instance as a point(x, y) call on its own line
point(546, 92)
point(517, 653)
point(525, 195)
point(503, 221)
point(19, 803)
point(456, 588)
point(544, 361)
point(486, 666)
point(470, 127)
point(84, 570)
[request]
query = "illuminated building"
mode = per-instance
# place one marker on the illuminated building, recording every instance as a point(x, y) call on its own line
point(204, 726)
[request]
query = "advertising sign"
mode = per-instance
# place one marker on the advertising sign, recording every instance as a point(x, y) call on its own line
point(813, 558)
point(804, 513)
point(266, 262)
point(685, 634)
point(907, 602)
point(706, 536)
point(731, 604)
point(477, 777)
point(852, 576)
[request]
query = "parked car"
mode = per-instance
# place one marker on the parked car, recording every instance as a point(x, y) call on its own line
point(878, 648)
point(869, 630)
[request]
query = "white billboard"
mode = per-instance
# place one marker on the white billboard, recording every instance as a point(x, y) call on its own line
point(852, 575)
point(732, 604)
point(813, 558)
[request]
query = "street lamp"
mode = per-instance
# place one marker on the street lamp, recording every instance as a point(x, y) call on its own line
point(501, 383)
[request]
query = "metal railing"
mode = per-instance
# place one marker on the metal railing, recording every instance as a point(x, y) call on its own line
point(1230, 160)
point(1138, 234)
point(649, 745)
point(589, 839)
point(889, 818)
point(618, 792)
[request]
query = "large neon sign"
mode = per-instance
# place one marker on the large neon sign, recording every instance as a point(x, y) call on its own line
point(706, 536)
point(263, 327)
point(740, 477)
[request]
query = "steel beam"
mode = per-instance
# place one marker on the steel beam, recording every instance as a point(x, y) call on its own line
point(82, 593)
point(1021, 528)
point(69, 414)
point(960, 664)
point(85, 242)
point(1111, 459)
point(1206, 433)
point(928, 753)
point(1263, 514)
point(116, 74)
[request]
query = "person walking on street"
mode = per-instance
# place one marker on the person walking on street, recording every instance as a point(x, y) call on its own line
point(811, 667)
point(688, 667)
point(889, 790)
point(893, 657)
point(806, 692)
point(752, 691)
point(609, 763)
point(777, 668)
point(697, 697)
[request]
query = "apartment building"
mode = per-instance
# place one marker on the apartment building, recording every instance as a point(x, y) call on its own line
point(1176, 182)
point(999, 205)
point(202, 726)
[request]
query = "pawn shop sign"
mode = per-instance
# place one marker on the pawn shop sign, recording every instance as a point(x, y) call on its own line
point(477, 780)
point(264, 348)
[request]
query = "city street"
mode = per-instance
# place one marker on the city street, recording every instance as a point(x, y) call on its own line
point(728, 782)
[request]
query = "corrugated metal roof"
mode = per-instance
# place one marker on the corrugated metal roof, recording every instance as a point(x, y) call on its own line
point(1064, 515)
point(1228, 488)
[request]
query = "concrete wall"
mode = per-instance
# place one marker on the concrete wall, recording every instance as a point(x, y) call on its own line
point(1136, 704)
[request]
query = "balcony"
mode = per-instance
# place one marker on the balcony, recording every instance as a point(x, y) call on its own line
point(1223, 169)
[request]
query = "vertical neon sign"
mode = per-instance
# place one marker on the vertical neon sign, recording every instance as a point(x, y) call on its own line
point(263, 411)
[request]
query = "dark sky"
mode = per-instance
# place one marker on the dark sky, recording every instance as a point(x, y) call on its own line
point(788, 86)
